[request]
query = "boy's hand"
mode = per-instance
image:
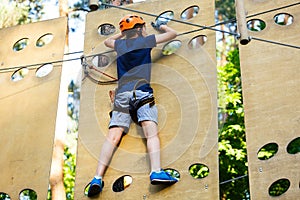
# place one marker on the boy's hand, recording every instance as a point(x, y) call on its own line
point(157, 25)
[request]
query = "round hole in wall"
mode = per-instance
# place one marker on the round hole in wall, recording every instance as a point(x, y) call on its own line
point(165, 17)
point(106, 29)
point(267, 151)
point(189, 12)
point(283, 19)
point(122, 183)
point(44, 70)
point(197, 41)
point(294, 146)
point(21, 44)
point(19, 74)
point(256, 25)
point(171, 47)
point(87, 187)
point(173, 172)
point(100, 61)
point(199, 170)
point(44, 40)
point(4, 196)
point(279, 187)
point(28, 194)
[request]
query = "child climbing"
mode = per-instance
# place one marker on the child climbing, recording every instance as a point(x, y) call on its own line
point(133, 46)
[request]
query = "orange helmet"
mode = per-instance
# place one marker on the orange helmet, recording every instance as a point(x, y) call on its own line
point(129, 21)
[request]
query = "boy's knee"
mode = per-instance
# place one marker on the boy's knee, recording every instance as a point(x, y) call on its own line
point(114, 135)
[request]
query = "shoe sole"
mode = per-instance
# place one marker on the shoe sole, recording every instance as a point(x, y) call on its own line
point(95, 190)
point(162, 182)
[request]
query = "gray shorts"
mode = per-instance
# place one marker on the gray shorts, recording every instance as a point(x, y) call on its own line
point(144, 113)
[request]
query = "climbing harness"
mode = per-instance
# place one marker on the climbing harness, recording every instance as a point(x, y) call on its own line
point(135, 103)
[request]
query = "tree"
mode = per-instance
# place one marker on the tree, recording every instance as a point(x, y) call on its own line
point(56, 173)
point(19, 12)
point(225, 13)
point(232, 138)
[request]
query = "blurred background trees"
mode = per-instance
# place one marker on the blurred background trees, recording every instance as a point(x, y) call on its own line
point(232, 142)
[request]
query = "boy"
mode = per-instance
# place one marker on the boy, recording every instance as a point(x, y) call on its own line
point(134, 72)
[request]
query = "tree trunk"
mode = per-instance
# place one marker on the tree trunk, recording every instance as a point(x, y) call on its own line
point(64, 12)
point(223, 50)
point(58, 191)
point(56, 174)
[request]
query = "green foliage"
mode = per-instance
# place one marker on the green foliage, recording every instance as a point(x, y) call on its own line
point(173, 173)
point(69, 173)
point(199, 171)
point(4, 196)
point(232, 138)
point(226, 8)
point(73, 101)
point(69, 154)
point(28, 194)
point(294, 146)
point(12, 13)
point(19, 12)
point(267, 151)
point(256, 25)
point(279, 187)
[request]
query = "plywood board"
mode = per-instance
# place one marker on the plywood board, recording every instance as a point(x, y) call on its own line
point(270, 75)
point(185, 91)
point(28, 106)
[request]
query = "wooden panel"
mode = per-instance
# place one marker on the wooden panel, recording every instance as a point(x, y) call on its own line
point(270, 75)
point(28, 107)
point(185, 90)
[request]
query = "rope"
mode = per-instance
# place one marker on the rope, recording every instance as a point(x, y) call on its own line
point(233, 179)
point(211, 27)
point(250, 16)
point(277, 43)
point(175, 20)
point(85, 65)
point(34, 66)
point(75, 52)
point(275, 9)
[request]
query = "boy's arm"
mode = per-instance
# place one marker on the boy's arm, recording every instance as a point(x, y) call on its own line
point(168, 34)
point(110, 42)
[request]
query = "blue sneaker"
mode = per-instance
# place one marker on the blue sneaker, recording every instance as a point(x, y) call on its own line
point(162, 177)
point(96, 186)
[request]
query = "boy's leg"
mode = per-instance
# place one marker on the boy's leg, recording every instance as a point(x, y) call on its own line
point(153, 143)
point(112, 140)
point(157, 176)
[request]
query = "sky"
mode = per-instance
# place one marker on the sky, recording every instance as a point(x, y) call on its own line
point(76, 36)
point(71, 70)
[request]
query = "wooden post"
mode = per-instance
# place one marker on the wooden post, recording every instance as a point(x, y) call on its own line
point(241, 22)
point(94, 5)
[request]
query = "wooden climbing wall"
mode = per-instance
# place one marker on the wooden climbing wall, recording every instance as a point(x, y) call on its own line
point(185, 87)
point(29, 97)
point(270, 75)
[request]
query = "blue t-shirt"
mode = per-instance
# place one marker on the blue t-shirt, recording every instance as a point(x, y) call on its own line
point(134, 63)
